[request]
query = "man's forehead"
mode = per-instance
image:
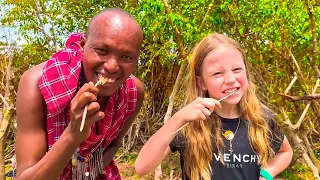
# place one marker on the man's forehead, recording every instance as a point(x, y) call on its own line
point(110, 20)
point(113, 24)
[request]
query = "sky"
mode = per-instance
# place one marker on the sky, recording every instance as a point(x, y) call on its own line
point(8, 34)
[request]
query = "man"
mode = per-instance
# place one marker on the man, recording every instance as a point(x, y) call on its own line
point(52, 97)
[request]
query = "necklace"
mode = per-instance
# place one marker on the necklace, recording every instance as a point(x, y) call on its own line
point(229, 135)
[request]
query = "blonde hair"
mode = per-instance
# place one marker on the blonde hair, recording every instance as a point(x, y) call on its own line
point(201, 136)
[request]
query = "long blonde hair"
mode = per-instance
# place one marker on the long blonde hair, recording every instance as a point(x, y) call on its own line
point(201, 136)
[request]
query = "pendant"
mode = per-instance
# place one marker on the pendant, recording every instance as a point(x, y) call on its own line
point(229, 135)
point(231, 150)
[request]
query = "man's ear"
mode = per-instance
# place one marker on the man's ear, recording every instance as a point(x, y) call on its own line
point(83, 41)
point(200, 83)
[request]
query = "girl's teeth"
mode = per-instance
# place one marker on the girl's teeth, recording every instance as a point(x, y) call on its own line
point(231, 91)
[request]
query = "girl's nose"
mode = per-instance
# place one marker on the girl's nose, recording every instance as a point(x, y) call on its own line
point(229, 77)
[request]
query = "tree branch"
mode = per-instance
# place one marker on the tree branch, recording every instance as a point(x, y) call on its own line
point(182, 67)
point(302, 150)
point(299, 70)
point(176, 32)
point(177, 84)
point(314, 38)
point(286, 118)
point(175, 90)
point(301, 98)
point(206, 15)
point(298, 124)
point(291, 84)
point(271, 45)
point(309, 149)
point(38, 11)
point(5, 102)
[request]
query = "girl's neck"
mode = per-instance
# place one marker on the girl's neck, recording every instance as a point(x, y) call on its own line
point(228, 111)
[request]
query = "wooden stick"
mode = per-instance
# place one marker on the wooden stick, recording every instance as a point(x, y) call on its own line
point(101, 81)
point(218, 100)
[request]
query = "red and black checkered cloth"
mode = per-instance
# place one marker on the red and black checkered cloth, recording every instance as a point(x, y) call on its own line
point(58, 86)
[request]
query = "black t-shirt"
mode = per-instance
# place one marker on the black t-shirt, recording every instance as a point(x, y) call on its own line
point(242, 163)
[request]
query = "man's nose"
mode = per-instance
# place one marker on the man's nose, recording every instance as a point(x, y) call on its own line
point(111, 64)
point(229, 77)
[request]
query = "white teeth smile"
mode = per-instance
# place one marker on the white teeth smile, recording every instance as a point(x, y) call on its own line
point(110, 80)
point(106, 79)
point(231, 91)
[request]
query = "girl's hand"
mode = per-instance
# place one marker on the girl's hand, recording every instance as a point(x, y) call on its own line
point(261, 178)
point(199, 109)
point(87, 94)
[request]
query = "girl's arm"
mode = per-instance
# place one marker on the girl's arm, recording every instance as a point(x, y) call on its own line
point(157, 147)
point(281, 160)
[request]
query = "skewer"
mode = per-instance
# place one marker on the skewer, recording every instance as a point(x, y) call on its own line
point(101, 81)
point(218, 100)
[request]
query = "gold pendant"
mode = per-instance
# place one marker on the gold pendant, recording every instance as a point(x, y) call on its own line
point(229, 135)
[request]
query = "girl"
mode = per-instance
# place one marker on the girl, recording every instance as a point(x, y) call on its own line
point(223, 136)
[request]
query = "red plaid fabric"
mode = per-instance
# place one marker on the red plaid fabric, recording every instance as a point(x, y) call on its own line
point(58, 86)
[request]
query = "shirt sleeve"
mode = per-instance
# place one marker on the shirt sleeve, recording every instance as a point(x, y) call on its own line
point(275, 135)
point(178, 143)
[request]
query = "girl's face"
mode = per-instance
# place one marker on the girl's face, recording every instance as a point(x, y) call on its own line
point(222, 72)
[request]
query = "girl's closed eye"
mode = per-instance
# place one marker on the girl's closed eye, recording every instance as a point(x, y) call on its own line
point(217, 74)
point(237, 70)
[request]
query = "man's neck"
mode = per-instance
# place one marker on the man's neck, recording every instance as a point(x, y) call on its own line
point(103, 101)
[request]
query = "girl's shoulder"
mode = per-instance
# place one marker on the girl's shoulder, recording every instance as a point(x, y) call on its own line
point(271, 119)
point(276, 136)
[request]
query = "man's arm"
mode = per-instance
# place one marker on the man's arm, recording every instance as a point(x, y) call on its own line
point(31, 144)
point(111, 150)
point(33, 160)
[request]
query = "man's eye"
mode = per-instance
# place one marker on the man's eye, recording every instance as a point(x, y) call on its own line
point(100, 51)
point(126, 58)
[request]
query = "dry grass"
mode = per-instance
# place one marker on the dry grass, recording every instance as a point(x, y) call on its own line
point(171, 163)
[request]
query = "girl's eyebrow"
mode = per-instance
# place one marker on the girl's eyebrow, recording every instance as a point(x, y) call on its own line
point(214, 69)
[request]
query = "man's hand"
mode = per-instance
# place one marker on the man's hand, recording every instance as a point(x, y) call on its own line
point(86, 95)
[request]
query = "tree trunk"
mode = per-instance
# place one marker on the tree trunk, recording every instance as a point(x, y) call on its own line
point(6, 114)
point(2, 167)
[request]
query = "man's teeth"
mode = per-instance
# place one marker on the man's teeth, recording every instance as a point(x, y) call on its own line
point(106, 79)
point(110, 80)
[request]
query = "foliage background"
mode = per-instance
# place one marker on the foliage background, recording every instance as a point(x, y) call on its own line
point(274, 33)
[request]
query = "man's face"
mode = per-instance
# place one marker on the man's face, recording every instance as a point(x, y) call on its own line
point(111, 50)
